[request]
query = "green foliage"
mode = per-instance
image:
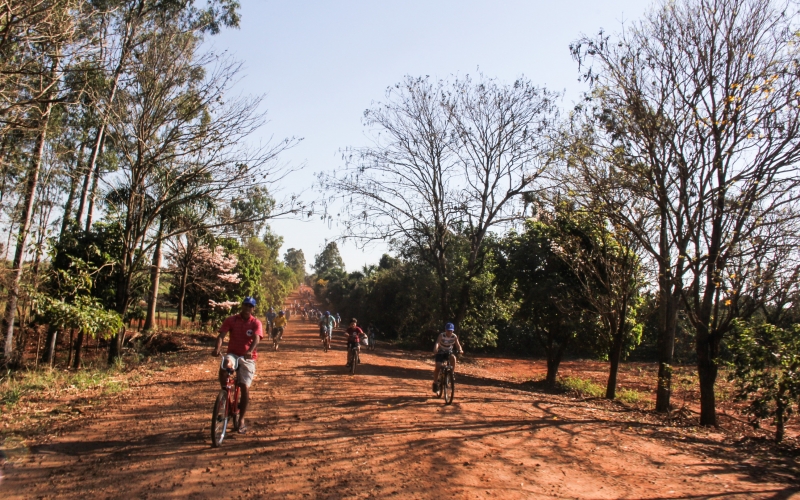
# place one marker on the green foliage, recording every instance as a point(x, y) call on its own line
point(766, 369)
point(329, 260)
point(296, 261)
point(84, 314)
point(91, 257)
point(583, 387)
point(630, 396)
point(79, 287)
point(544, 289)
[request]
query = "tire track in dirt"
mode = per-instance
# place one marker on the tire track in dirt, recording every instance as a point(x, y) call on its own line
point(318, 432)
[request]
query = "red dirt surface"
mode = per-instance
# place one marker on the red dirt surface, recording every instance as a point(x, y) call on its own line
point(318, 432)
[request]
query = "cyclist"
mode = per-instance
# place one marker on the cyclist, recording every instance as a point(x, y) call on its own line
point(246, 332)
point(354, 335)
point(326, 328)
point(338, 320)
point(444, 350)
point(279, 325)
point(271, 318)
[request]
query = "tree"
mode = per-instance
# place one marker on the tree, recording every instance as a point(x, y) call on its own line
point(296, 261)
point(329, 260)
point(708, 93)
point(51, 30)
point(179, 144)
point(549, 294)
point(450, 160)
point(766, 369)
point(604, 260)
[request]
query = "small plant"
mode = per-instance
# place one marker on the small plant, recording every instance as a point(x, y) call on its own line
point(630, 396)
point(582, 387)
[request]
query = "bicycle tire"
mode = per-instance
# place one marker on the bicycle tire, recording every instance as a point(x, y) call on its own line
point(353, 362)
point(440, 387)
point(449, 388)
point(219, 419)
point(234, 409)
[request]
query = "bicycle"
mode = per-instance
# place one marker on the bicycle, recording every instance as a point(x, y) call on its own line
point(277, 335)
point(353, 358)
point(447, 382)
point(323, 333)
point(226, 407)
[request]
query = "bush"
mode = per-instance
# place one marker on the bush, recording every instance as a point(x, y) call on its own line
point(582, 387)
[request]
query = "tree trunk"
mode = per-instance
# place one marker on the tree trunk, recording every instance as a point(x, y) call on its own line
point(73, 185)
point(707, 371)
point(182, 296)
point(555, 352)
point(155, 275)
point(71, 346)
point(22, 237)
point(668, 323)
point(614, 357)
point(780, 413)
point(50, 346)
point(78, 350)
point(92, 194)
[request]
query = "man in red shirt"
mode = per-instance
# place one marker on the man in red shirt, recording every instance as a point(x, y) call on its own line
point(246, 332)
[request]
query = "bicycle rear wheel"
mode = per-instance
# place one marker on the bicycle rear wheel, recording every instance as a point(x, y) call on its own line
point(219, 419)
point(440, 386)
point(449, 387)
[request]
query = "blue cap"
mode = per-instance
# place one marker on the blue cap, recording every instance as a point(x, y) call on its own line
point(249, 301)
point(449, 327)
point(327, 313)
point(280, 312)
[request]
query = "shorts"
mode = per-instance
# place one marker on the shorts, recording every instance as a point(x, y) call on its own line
point(277, 332)
point(325, 332)
point(442, 357)
point(245, 372)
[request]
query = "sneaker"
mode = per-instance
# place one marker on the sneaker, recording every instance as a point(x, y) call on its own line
point(435, 387)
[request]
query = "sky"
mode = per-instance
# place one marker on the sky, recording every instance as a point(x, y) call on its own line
point(320, 64)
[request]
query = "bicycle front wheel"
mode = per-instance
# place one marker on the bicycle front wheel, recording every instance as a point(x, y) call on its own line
point(449, 388)
point(353, 362)
point(219, 419)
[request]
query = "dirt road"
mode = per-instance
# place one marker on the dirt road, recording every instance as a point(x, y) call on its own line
point(318, 432)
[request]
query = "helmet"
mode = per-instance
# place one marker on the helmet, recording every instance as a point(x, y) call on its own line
point(327, 313)
point(280, 313)
point(271, 309)
point(249, 301)
point(449, 327)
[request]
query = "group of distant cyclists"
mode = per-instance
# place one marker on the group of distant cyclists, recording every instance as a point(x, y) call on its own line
point(246, 332)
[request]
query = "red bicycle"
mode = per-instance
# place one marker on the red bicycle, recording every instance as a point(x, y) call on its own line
point(226, 408)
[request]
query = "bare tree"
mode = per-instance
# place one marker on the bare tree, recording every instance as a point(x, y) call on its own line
point(702, 98)
point(449, 160)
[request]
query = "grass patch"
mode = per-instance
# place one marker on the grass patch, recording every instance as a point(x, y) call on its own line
point(50, 383)
point(583, 387)
point(630, 396)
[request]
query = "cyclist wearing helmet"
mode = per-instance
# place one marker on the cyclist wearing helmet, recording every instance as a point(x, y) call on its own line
point(326, 327)
point(279, 324)
point(444, 350)
point(246, 332)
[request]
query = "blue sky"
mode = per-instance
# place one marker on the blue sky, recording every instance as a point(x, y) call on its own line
point(322, 63)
